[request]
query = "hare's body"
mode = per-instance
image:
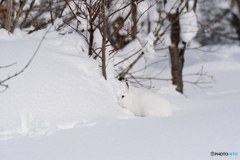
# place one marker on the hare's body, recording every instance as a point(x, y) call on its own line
point(145, 104)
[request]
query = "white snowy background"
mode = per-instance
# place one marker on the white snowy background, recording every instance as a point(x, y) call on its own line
point(61, 108)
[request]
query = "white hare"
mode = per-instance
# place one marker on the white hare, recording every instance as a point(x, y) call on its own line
point(144, 104)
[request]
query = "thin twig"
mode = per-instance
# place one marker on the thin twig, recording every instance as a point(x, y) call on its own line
point(8, 65)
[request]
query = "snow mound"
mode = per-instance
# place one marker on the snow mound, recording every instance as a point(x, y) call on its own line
point(61, 89)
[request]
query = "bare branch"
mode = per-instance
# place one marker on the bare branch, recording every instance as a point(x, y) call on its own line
point(8, 65)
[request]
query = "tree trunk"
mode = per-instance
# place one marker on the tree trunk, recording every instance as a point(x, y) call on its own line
point(134, 19)
point(91, 32)
point(27, 14)
point(19, 13)
point(149, 23)
point(9, 15)
point(108, 3)
point(104, 41)
point(176, 55)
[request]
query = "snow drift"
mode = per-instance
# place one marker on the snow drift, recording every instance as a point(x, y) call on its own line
point(61, 89)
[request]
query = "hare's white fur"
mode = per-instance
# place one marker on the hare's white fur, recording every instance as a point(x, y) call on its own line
point(145, 104)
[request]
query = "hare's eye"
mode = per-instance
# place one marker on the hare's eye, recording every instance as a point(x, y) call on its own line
point(122, 96)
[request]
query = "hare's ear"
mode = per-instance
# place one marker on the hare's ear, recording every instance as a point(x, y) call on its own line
point(127, 86)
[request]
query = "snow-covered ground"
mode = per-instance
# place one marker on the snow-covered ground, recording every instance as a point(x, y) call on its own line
point(61, 108)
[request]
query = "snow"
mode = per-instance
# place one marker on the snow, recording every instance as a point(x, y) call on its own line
point(224, 4)
point(228, 5)
point(171, 6)
point(59, 88)
point(187, 20)
point(62, 108)
point(188, 24)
